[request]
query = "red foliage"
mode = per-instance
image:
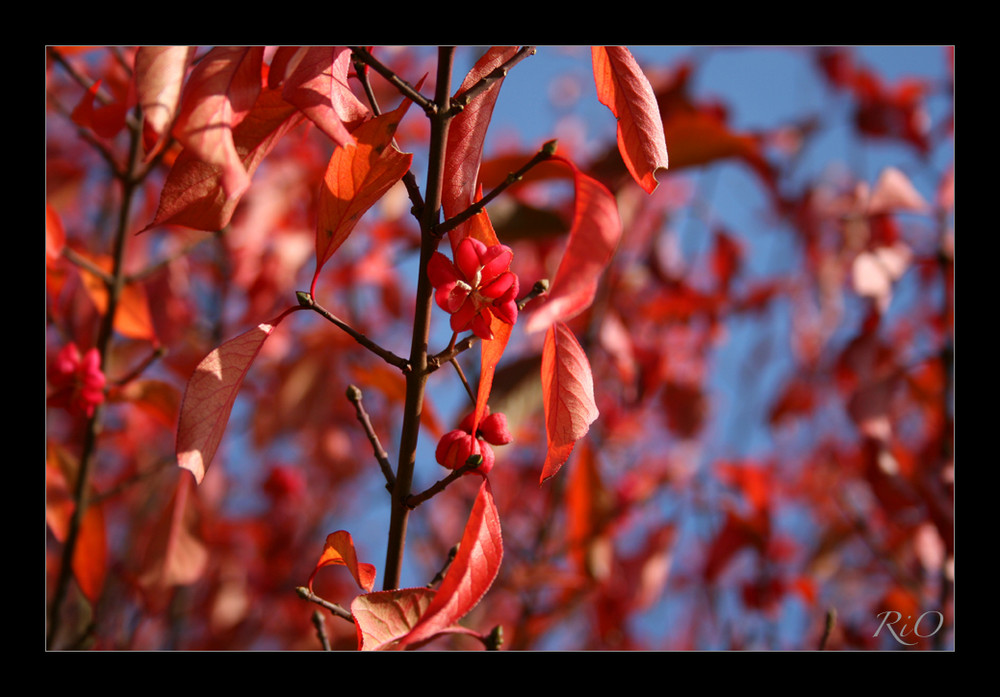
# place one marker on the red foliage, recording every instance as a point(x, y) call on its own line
point(721, 410)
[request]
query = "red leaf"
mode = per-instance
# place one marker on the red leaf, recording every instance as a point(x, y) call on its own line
point(465, 139)
point(194, 195)
point(159, 80)
point(220, 92)
point(210, 394)
point(357, 176)
point(567, 394)
point(174, 556)
point(471, 572)
point(385, 617)
point(492, 350)
point(339, 549)
point(592, 241)
point(105, 121)
point(317, 84)
point(623, 88)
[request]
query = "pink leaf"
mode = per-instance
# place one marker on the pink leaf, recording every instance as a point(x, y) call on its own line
point(317, 84)
point(194, 194)
point(470, 575)
point(339, 549)
point(220, 92)
point(159, 79)
point(385, 617)
point(210, 395)
point(592, 242)
point(623, 88)
point(567, 394)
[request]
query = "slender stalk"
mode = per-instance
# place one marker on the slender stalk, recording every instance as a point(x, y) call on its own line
point(115, 285)
point(416, 379)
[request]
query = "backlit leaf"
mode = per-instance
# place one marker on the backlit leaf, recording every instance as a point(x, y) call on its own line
point(567, 394)
point(210, 395)
point(592, 242)
point(466, 135)
point(221, 91)
point(317, 84)
point(470, 574)
point(194, 194)
point(159, 80)
point(339, 549)
point(357, 176)
point(623, 88)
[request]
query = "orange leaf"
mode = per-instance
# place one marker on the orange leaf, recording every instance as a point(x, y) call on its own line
point(592, 242)
point(339, 549)
point(384, 617)
point(210, 395)
point(132, 315)
point(623, 88)
point(90, 556)
point(357, 176)
point(567, 394)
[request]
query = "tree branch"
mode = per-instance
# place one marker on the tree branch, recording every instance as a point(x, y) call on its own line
point(306, 300)
point(416, 379)
point(546, 153)
point(354, 396)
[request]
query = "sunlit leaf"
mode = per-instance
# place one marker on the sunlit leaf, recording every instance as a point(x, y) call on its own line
point(470, 574)
point(623, 88)
point(357, 176)
point(568, 395)
point(592, 242)
point(210, 395)
point(339, 549)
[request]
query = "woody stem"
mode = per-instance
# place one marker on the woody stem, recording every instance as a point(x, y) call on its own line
point(416, 379)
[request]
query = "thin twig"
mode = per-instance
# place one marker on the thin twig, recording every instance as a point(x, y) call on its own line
point(463, 99)
point(472, 463)
point(461, 376)
point(444, 569)
point(336, 610)
point(354, 396)
point(546, 153)
point(320, 624)
point(306, 300)
point(829, 624)
point(405, 88)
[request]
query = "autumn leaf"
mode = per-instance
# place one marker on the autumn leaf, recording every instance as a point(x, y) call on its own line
point(384, 617)
point(106, 121)
point(592, 242)
point(174, 556)
point(339, 549)
point(90, 557)
point(221, 91)
point(567, 394)
point(470, 574)
point(159, 81)
point(356, 177)
point(194, 194)
point(623, 88)
point(132, 314)
point(316, 82)
point(466, 135)
point(210, 395)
